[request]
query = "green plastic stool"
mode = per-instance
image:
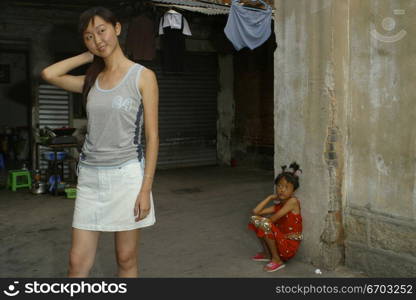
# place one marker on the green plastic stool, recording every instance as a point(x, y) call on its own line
point(15, 175)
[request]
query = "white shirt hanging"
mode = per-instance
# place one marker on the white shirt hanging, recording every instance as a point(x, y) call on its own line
point(173, 19)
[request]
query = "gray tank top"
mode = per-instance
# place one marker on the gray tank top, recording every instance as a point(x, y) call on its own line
point(115, 123)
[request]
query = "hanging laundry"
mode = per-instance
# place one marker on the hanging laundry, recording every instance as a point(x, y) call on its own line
point(140, 42)
point(174, 20)
point(247, 26)
point(172, 29)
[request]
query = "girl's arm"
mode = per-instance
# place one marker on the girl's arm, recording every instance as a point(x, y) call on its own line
point(150, 97)
point(56, 74)
point(259, 209)
point(287, 207)
point(267, 211)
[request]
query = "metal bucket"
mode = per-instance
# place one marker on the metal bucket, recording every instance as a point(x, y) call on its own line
point(39, 188)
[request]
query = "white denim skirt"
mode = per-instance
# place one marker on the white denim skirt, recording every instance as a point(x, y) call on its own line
point(106, 198)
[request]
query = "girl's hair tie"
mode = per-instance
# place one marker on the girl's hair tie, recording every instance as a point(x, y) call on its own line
point(297, 172)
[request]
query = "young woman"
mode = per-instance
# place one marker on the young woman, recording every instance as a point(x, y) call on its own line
point(114, 183)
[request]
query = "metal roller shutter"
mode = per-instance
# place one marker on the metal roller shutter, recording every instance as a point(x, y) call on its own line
point(53, 112)
point(188, 113)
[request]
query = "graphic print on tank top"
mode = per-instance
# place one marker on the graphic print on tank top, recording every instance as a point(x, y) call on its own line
point(122, 103)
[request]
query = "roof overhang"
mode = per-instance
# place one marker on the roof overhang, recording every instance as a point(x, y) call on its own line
point(203, 7)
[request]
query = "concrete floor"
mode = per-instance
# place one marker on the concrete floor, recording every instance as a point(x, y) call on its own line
point(200, 230)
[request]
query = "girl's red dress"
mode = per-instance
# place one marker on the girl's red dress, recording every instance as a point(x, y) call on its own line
point(286, 226)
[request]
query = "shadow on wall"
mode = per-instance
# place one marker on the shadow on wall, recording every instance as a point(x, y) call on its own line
point(64, 38)
point(19, 92)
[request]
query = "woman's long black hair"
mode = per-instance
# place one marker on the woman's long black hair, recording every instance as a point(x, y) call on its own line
point(98, 63)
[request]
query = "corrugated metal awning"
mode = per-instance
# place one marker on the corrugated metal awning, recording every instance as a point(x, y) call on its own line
point(203, 7)
point(195, 6)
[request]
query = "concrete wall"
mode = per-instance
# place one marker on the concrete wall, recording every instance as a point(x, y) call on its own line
point(43, 32)
point(380, 202)
point(12, 98)
point(226, 109)
point(39, 26)
point(309, 92)
point(343, 111)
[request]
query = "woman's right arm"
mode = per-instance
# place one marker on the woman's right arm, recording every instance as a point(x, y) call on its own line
point(56, 74)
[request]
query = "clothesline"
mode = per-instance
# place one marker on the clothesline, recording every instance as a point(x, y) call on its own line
point(209, 9)
point(203, 10)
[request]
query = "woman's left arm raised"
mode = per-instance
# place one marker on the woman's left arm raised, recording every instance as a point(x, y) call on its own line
point(149, 90)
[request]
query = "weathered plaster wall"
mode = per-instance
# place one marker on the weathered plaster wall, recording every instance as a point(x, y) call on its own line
point(309, 97)
point(344, 110)
point(380, 179)
point(225, 122)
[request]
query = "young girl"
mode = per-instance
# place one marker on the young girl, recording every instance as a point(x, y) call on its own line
point(281, 233)
point(114, 184)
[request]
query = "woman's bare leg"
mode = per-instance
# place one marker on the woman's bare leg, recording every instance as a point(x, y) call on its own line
point(82, 253)
point(126, 244)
